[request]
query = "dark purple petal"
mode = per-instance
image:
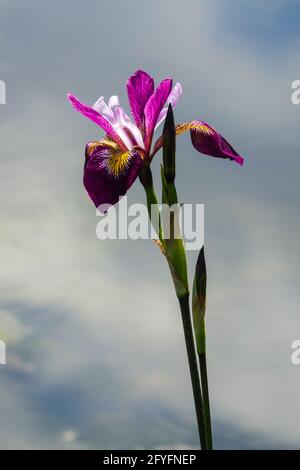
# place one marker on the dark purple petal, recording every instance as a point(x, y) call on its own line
point(94, 116)
point(207, 140)
point(140, 86)
point(109, 172)
point(154, 107)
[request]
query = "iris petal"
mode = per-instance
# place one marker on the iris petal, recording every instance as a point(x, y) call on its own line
point(94, 116)
point(102, 108)
point(140, 86)
point(127, 130)
point(173, 99)
point(154, 107)
point(206, 140)
point(109, 171)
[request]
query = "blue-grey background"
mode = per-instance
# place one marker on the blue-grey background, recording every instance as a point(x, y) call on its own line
point(95, 350)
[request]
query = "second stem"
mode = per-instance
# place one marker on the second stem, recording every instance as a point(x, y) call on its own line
point(192, 359)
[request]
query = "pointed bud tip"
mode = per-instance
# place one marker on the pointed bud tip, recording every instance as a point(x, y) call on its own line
point(169, 124)
point(201, 265)
point(169, 146)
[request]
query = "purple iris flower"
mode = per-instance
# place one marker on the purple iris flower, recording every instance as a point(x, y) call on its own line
point(113, 163)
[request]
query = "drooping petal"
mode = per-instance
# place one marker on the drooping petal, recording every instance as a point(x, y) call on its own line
point(206, 140)
point(153, 108)
point(140, 86)
point(109, 171)
point(173, 99)
point(94, 116)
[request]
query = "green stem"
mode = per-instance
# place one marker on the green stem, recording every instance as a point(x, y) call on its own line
point(181, 286)
point(146, 179)
point(192, 359)
point(206, 407)
point(152, 205)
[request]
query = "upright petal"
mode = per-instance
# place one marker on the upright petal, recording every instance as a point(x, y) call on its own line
point(127, 130)
point(173, 99)
point(102, 108)
point(154, 107)
point(94, 116)
point(109, 172)
point(140, 86)
point(113, 101)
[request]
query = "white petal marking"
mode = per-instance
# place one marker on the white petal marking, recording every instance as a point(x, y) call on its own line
point(173, 98)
